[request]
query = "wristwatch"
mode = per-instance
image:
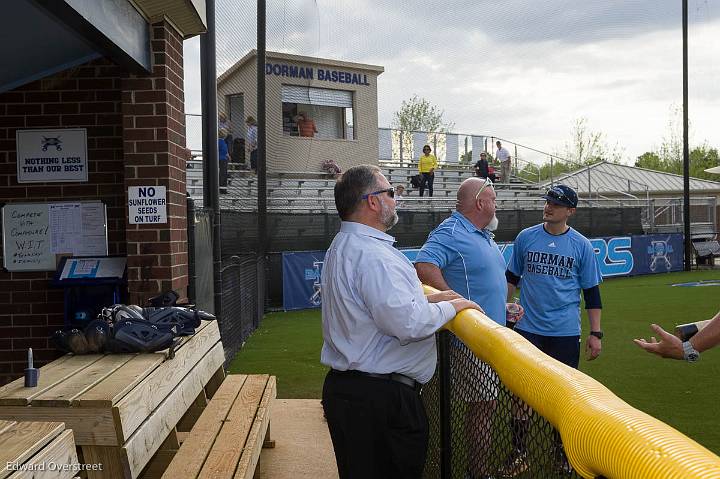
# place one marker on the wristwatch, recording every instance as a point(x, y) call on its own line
point(689, 353)
point(597, 334)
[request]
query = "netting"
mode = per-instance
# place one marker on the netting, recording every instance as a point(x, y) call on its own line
point(479, 429)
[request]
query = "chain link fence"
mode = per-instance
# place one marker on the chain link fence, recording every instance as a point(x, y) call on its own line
point(479, 429)
point(241, 303)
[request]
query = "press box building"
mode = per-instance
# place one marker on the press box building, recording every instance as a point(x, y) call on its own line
point(340, 97)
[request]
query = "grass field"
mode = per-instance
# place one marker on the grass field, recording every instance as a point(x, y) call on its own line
point(686, 396)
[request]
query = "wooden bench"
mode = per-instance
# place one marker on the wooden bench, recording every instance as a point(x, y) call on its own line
point(226, 440)
point(37, 449)
point(121, 407)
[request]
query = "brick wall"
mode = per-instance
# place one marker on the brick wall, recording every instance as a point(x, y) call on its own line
point(154, 144)
point(89, 97)
point(136, 136)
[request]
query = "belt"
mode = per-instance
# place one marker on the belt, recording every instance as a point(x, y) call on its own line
point(397, 377)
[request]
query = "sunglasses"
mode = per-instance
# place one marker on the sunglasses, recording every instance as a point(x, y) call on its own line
point(554, 194)
point(488, 182)
point(390, 191)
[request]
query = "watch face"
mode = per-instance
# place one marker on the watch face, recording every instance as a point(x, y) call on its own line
point(692, 357)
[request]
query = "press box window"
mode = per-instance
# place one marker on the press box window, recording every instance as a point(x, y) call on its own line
point(331, 110)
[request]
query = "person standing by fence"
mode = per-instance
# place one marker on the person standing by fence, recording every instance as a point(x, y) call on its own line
point(555, 264)
point(378, 336)
point(251, 141)
point(426, 166)
point(460, 254)
point(223, 157)
point(503, 156)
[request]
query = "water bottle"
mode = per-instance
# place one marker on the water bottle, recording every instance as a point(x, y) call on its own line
point(512, 313)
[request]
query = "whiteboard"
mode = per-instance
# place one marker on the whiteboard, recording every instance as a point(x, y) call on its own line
point(34, 233)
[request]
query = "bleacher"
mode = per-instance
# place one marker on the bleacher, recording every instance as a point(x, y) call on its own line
point(308, 191)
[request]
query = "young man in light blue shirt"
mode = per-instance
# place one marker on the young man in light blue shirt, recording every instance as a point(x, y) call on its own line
point(553, 263)
point(378, 336)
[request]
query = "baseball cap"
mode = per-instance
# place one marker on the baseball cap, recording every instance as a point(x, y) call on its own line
point(562, 195)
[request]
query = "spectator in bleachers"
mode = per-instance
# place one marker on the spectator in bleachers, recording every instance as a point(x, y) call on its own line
point(223, 157)
point(251, 141)
point(426, 166)
point(481, 167)
point(399, 192)
point(237, 153)
point(224, 124)
point(503, 156)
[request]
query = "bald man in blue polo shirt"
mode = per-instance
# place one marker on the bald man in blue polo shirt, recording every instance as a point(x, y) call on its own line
point(460, 254)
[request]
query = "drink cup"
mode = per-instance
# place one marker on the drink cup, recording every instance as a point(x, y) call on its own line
point(512, 314)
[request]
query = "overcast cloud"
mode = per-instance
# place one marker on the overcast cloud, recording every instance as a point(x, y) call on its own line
point(523, 70)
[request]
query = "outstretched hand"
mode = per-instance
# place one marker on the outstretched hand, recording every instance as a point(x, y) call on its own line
point(669, 345)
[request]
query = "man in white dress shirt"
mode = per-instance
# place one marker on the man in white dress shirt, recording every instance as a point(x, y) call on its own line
point(503, 156)
point(378, 332)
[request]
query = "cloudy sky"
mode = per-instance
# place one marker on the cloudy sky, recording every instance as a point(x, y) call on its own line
point(524, 70)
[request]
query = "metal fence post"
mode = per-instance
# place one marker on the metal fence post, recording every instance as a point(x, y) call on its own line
point(192, 273)
point(445, 426)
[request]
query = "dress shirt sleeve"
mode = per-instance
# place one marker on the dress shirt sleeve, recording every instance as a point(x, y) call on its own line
point(394, 298)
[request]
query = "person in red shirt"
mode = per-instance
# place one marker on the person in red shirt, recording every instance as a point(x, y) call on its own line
point(306, 125)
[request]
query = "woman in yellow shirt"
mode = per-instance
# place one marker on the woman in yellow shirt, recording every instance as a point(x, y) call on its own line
point(426, 166)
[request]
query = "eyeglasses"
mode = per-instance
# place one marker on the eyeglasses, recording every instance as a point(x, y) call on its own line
point(390, 191)
point(488, 182)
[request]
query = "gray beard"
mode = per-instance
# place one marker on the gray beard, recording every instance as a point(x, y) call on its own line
point(493, 225)
point(388, 218)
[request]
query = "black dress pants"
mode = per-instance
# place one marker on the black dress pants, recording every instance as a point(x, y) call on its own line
point(427, 179)
point(223, 173)
point(378, 427)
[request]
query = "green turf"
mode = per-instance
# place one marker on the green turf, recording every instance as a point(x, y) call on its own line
point(288, 346)
point(680, 394)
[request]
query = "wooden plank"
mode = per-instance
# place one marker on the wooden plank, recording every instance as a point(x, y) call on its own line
point(113, 388)
point(5, 425)
point(113, 462)
point(253, 446)
point(192, 414)
point(90, 426)
point(184, 339)
point(162, 458)
point(225, 453)
point(140, 403)
point(57, 460)
point(62, 394)
point(18, 383)
point(147, 438)
point(50, 375)
point(215, 382)
point(256, 438)
point(23, 440)
point(192, 454)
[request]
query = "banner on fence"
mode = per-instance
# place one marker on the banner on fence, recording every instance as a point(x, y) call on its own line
point(617, 256)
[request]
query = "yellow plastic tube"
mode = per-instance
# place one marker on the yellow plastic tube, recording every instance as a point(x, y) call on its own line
point(602, 434)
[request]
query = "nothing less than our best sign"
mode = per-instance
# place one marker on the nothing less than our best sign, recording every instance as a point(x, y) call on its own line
point(45, 156)
point(147, 205)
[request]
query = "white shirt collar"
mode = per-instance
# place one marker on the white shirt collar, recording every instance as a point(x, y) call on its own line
point(365, 230)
